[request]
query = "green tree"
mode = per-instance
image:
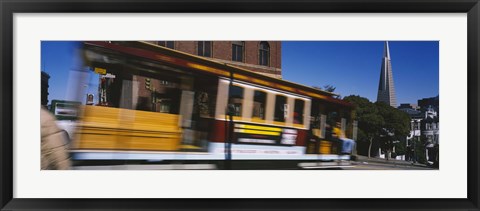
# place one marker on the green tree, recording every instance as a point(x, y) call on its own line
point(378, 121)
point(396, 126)
point(400, 146)
point(369, 120)
point(420, 150)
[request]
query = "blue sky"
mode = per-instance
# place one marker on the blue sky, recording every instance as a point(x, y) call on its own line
point(353, 67)
point(59, 58)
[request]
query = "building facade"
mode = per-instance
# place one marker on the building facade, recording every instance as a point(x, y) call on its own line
point(424, 132)
point(386, 88)
point(259, 56)
point(44, 88)
point(430, 134)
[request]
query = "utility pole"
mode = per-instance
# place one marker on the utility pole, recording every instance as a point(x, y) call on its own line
point(228, 142)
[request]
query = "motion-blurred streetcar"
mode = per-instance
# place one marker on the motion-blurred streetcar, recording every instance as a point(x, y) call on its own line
point(157, 104)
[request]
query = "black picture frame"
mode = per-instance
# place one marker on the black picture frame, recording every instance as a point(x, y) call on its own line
point(10, 7)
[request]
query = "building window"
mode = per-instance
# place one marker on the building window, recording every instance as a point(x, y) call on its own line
point(298, 111)
point(264, 54)
point(168, 44)
point(236, 99)
point(259, 102)
point(281, 108)
point(238, 48)
point(204, 48)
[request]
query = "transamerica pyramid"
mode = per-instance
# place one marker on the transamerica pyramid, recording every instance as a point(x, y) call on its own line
point(386, 89)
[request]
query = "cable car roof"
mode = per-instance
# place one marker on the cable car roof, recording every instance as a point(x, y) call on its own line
point(178, 58)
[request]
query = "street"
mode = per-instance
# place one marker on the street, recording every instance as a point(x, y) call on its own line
point(372, 164)
point(386, 166)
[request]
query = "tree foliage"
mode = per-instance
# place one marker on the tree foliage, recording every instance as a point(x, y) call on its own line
point(367, 115)
point(396, 121)
point(380, 122)
point(369, 120)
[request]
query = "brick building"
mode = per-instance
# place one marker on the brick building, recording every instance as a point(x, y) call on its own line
point(260, 56)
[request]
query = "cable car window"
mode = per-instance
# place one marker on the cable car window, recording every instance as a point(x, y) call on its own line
point(281, 108)
point(259, 103)
point(298, 111)
point(236, 99)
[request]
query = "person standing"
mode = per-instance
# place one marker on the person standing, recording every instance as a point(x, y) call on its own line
point(54, 144)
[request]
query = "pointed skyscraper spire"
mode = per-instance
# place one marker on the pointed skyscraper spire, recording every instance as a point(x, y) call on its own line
point(386, 89)
point(386, 50)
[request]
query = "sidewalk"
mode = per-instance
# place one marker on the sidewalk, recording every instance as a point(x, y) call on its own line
point(361, 159)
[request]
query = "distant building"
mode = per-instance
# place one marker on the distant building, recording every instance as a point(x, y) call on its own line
point(408, 105)
point(410, 109)
point(426, 103)
point(430, 127)
point(386, 88)
point(414, 137)
point(415, 126)
point(259, 56)
point(424, 129)
point(44, 88)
